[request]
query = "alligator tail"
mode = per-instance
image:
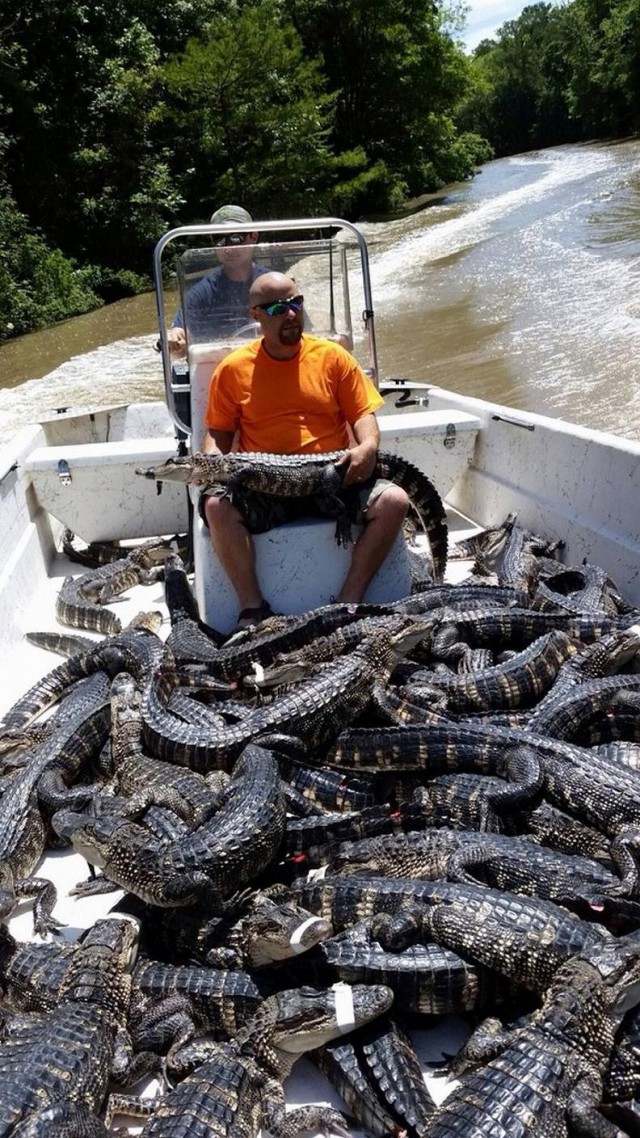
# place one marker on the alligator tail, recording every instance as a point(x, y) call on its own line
point(425, 501)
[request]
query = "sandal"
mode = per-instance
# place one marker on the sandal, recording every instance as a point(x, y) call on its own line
point(248, 618)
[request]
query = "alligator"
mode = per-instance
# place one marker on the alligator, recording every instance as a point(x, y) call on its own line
point(599, 792)
point(171, 1004)
point(147, 781)
point(346, 1071)
point(611, 654)
point(516, 560)
point(238, 1088)
point(576, 709)
point(517, 683)
point(316, 710)
point(429, 748)
point(523, 939)
point(292, 666)
point(81, 600)
point(546, 1077)
point(67, 1054)
point(137, 650)
point(329, 788)
point(513, 627)
point(516, 864)
point(389, 1074)
point(574, 589)
point(621, 751)
point(490, 542)
point(169, 999)
point(315, 475)
point(463, 596)
point(424, 978)
point(207, 864)
point(99, 553)
point(310, 840)
point(75, 735)
point(240, 655)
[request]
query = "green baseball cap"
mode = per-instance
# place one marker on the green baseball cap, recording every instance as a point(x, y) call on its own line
point(230, 213)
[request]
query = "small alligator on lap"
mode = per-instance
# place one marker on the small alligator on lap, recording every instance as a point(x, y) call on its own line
point(311, 475)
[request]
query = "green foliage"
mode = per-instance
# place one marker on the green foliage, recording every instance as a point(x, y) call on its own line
point(259, 132)
point(38, 285)
point(517, 99)
point(604, 87)
point(395, 73)
point(364, 187)
point(121, 118)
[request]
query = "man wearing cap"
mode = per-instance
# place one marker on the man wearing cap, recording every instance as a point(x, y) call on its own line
point(218, 304)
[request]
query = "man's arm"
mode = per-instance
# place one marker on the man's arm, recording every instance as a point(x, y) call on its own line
point(217, 442)
point(362, 457)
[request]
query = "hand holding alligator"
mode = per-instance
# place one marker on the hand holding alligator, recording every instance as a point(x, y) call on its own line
point(361, 461)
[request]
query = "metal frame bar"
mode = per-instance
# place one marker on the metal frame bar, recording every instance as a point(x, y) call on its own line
point(261, 227)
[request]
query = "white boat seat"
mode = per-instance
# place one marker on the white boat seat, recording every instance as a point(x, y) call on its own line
point(76, 492)
point(299, 566)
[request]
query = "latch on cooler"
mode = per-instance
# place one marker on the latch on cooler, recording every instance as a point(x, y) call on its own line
point(64, 474)
point(450, 436)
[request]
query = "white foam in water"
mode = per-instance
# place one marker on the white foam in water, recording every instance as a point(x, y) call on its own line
point(476, 224)
point(124, 371)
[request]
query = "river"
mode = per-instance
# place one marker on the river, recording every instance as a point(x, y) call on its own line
point(520, 286)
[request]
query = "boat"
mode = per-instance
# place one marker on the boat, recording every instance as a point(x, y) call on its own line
point(75, 470)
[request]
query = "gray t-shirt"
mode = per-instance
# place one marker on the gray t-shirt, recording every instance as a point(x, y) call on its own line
point(217, 306)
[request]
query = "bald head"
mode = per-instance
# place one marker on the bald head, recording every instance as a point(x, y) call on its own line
point(269, 287)
point(281, 330)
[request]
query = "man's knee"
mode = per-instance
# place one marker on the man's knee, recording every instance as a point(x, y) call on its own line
point(391, 506)
point(219, 511)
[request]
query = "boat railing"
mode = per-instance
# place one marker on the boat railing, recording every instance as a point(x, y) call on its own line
point(282, 253)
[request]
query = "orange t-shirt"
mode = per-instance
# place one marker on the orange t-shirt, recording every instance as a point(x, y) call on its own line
point(296, 406)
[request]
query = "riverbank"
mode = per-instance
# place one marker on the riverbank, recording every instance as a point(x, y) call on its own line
point(520, 287)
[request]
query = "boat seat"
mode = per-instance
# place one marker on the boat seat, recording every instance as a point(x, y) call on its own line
point(299, 566)
point(70, 482)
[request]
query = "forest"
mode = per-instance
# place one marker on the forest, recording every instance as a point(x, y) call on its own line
point(122, 118)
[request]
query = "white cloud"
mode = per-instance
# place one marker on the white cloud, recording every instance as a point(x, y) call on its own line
point(485, 17)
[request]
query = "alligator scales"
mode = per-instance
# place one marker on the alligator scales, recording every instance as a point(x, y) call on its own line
point(314, 475)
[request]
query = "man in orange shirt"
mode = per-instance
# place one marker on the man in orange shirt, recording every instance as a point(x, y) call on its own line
point(292, 393)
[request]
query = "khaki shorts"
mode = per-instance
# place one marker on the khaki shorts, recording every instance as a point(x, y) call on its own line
point(262, 512)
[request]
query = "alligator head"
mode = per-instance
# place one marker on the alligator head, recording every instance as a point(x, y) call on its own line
point(173, 470)
point(301, 1019)
point(278, 930)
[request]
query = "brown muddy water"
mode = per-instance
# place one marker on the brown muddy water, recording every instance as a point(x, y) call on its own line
point(521, 286)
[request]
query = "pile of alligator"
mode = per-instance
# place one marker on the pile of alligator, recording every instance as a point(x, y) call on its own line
point(331, 829)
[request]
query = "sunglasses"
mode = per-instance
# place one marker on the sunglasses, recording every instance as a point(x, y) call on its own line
point(232, 239)
point(279, 307)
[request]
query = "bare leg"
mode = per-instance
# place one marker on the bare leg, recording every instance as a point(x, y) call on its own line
point(233, 545)
point(384, 521)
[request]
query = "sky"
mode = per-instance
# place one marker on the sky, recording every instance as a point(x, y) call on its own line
point(486, 16)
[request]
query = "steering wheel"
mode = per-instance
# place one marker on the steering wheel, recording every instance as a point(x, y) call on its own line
point(248, 330)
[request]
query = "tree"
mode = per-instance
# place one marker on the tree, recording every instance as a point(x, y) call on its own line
point(518, 97)
point(397, 75)
point(604, 47)
point(86, 159)
point(252, 115)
